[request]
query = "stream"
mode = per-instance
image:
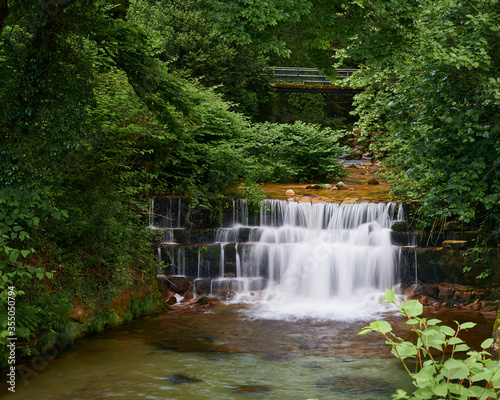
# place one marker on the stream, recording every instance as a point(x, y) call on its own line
point(225, 353)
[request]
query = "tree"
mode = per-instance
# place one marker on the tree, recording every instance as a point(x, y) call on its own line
point(436, 104)
point(188, 42)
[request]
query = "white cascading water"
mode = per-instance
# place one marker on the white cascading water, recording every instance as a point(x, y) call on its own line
point(324, 260)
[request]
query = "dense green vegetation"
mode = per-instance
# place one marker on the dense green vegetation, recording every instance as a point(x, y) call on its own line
point(105, 104)
point(102, 107)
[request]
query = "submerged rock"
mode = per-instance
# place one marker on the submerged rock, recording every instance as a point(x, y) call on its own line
point(372, 181)
point(290, 192)
point(180, 379)
point(352, 383)
point(250, 390)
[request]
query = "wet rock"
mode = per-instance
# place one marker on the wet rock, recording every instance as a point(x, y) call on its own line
point(462, 297)
point(179, 284)
point(372, 181)
point(188, 296)
point(446, 292)
point(430, 291)
point(172, 300)
point(202, 286)
point(250, 390)
point(334, 188)
point(352, 384)
point(314, 187)
point(426, 300)
point(204, 300)
point(208, 300)
point(341, 186)
point(179, 379)
point(290, 192)
point(327, 186)
point(399, 226)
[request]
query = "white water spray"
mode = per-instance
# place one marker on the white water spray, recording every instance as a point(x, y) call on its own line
point(320, 260)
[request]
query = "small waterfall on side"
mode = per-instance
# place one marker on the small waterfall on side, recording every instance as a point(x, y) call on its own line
point(298, 260)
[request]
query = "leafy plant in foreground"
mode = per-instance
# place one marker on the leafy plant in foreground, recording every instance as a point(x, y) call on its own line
point(445, 367)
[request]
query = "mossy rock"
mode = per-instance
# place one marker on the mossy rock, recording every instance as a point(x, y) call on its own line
point(372, 181)
point(399, 226)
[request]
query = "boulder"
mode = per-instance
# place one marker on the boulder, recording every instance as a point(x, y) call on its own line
point(187, 297)
point(341, 186)
point(179, 284)
point(202, 286)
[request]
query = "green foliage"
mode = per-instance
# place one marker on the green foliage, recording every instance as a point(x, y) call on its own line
point(187, 40)
point(433, 101)
point(20, 219)
point(441, 364)
point(300, 151)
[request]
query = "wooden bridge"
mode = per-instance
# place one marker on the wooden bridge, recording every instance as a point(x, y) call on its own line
point(310, 80)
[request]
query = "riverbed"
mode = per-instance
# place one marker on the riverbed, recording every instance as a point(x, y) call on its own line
point(223, 352)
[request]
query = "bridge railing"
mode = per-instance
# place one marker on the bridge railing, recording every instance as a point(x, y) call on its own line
point(307, 76)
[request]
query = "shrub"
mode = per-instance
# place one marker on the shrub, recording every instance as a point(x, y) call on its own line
point(445, 366)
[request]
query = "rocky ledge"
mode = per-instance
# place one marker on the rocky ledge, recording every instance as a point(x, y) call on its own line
point(453, 295)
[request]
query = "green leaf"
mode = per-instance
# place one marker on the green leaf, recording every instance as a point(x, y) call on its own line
point(433, 322)
point(441, 389)
point(381, 326)
point(447, 330)
point(454, 340)
point(467, 325)
point(413, 308)
point(487, 343)
point(455, 369)
point(405, 350)
point(25, 253)
point(365, 331)
point(389, 295)
point(13, 256)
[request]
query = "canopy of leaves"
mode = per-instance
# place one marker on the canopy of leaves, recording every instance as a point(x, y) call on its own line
point(437, 108)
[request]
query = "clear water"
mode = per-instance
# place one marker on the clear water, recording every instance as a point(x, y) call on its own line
point(221, 354)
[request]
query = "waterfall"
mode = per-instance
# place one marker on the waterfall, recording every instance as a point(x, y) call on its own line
point(319, 260)
point(300, 260)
